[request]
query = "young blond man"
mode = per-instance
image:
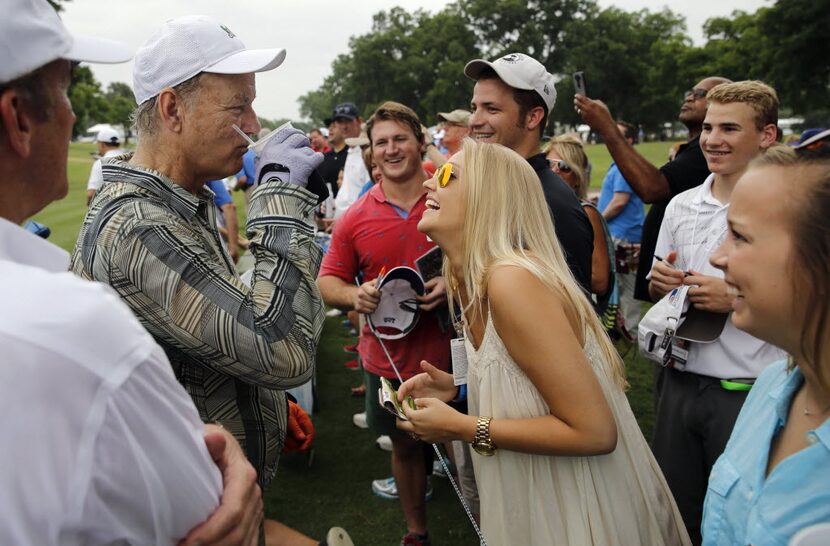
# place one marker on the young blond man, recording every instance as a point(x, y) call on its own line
point(377, 233)
point(702, 395)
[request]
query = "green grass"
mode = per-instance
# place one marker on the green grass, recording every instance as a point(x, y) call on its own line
point(656, 152)
point(334, 489)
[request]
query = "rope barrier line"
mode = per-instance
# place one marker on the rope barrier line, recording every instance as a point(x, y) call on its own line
point(434, 445)
point(438, 452)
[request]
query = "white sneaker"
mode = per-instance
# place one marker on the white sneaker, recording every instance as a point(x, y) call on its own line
point(388, 489)
point(359, 420)
point(337, 536)
point(334, 312)
point(384, 442)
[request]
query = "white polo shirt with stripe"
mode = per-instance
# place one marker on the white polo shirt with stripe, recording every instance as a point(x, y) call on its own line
point(695, 225)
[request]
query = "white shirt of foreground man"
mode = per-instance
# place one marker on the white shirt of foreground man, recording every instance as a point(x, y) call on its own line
point(83, 391)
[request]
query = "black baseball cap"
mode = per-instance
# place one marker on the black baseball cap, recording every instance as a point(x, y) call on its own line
point(345, 110)
point(702, 326)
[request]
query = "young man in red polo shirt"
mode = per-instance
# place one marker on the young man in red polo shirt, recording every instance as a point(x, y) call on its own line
point(379, 232)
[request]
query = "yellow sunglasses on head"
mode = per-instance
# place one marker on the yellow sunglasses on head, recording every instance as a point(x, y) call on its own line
point(444, 174)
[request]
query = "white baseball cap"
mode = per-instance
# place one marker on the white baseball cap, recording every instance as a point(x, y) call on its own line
point(32, 35)
point(397, 312)
point(456, 117)
point(519, 71)
point(108, 135)
point(186, 46)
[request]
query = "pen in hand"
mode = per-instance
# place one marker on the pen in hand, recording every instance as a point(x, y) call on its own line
point(661, 259)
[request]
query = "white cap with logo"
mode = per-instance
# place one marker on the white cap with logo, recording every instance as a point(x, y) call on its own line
point(186, 46)
point(32, 35)
point(108, 135)
point(519, 71)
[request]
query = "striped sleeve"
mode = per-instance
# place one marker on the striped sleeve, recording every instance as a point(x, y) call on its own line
point(175, 280)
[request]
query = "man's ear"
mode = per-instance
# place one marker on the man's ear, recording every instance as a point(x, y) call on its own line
point(170, 108)
point(769, 135)
point(16, 124)
point(534, 118)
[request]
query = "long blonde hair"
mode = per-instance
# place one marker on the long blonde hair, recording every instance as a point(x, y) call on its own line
point(507, 222)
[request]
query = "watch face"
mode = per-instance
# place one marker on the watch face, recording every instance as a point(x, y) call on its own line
point(486, 450)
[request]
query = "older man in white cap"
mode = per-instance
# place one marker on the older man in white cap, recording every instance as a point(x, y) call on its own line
point(108, 143)
point(512, 99)
point(151, 235)
point(101, 444)
point(455, 127)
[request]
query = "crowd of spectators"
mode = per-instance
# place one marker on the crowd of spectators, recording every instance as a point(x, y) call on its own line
point(156, 362)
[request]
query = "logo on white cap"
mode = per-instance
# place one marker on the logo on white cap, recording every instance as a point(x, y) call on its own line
point(226, 29)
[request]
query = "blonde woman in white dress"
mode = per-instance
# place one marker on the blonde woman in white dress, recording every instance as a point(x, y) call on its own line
point(559, 457)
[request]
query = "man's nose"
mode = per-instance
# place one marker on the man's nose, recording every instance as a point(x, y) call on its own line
point(250, 123)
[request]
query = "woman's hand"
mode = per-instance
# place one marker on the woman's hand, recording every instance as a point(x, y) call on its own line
point(434, 383)
point(434, 421)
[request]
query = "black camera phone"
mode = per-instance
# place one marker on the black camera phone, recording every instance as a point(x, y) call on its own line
point(580, 85)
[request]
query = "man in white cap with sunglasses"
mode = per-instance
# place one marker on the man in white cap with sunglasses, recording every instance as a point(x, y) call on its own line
point(101, 444)
point(151, 235)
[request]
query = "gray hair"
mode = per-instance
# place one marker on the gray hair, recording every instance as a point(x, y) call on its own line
point(145, 117)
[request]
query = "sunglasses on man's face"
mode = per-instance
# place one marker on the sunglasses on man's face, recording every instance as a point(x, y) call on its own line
point(561, 166)
point(696, 93)
point(444, 174)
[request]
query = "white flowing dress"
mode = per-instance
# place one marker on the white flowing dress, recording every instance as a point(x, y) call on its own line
point(616, 499)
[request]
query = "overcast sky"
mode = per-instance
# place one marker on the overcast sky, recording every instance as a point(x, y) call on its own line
point(313, 32)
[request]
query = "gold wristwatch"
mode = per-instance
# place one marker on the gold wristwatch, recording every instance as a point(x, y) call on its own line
point(482, 443)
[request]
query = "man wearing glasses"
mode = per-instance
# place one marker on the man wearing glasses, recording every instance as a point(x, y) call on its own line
point(656, 186)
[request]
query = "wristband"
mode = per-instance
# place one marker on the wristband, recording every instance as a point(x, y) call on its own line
point(462, 394)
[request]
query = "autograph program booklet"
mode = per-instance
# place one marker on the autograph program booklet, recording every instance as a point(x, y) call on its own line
point(388, 399)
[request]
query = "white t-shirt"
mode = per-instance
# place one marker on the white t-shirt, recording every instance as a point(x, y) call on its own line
point(96, 176)
point(695, 225)
point(100, 443)
point(355, 177)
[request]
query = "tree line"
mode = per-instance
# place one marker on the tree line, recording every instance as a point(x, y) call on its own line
point(638, 62)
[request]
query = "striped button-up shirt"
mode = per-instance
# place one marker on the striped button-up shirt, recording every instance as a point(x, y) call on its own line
point(234, 348)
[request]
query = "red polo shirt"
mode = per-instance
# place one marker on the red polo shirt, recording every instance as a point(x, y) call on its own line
point(373, 235)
